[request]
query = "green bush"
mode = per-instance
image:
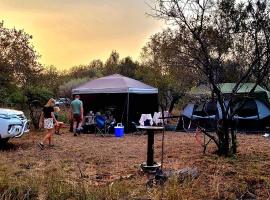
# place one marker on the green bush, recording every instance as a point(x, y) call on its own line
point(63, 117)
point(42, 94)
point(17, 97)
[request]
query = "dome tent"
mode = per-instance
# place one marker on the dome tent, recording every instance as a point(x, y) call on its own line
point(129, 97)
point(250, 114)
point(205, 113)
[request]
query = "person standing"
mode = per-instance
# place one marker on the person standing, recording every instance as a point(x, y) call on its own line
point(76, 112)
point(46, 121)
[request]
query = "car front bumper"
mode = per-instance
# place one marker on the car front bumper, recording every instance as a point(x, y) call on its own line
point(15, 129)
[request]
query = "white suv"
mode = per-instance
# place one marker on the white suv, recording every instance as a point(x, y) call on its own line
point(13, 123)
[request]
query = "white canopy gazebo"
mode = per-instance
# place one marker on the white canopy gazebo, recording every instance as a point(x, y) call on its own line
point(139, 97)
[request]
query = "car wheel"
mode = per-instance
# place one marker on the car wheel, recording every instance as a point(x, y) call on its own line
point(3, 141)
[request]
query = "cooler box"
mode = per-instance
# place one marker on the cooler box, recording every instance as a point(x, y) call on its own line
point(119, 130)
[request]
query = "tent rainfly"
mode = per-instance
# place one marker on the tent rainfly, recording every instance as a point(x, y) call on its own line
point(129, 98)
point(227, 89)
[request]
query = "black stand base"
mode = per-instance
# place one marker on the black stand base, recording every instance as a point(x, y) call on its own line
point(150, 169)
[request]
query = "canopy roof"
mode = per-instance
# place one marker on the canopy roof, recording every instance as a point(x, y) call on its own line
point(115, 83)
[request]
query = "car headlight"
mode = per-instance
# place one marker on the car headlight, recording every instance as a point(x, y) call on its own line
point(21, 116)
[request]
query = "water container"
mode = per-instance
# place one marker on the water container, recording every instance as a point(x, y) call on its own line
point(119, 130)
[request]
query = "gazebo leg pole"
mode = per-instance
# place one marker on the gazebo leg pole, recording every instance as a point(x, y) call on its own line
point(127, 111)
point(150, 148)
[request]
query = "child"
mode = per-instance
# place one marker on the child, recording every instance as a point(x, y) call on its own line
point(59, 124)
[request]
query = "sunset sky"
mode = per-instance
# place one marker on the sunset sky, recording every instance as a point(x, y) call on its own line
point(73, 32)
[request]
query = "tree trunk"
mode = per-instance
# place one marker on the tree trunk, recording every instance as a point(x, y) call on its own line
point(227, 138)
point(233, 138)
point(35, 112)
point(173, 102)
point(33, 118)
point(224, 138)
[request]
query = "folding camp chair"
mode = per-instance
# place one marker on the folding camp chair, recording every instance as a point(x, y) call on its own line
point(100, 122)
point(134, 130)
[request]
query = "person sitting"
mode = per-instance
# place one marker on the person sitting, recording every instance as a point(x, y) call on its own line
point(111, 123)
point(89, 122)
point(89, 119)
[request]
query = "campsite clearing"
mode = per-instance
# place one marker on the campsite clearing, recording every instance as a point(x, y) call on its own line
point(77, 165)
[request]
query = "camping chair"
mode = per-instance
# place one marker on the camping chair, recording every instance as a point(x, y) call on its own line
point(100, 122)
point(89, 123)
point(134, 130)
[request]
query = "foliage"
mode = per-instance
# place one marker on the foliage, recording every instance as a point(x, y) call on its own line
point(52, 78)
point(17, 97)
point(18, 64)
point(66, 89)
point(158, 69)
point(111, 64)
point(211, 37)
point(41, 94)
point(19, 60)
point(90, 71)
point(126, 66)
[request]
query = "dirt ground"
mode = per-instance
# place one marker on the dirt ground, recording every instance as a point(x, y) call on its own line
point(101, 160)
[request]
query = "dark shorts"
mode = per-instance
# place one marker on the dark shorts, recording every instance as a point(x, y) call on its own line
point(77, 118)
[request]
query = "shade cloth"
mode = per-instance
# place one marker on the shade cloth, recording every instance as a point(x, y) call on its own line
point(115, 83)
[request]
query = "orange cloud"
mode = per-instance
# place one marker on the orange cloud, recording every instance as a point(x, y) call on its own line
point(69, 32)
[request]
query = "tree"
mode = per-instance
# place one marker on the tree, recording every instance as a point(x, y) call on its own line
point(127, 67)
point(214, 33)
point(52, 77)
point(111, 64)
point(65, 90)
point(37, 96)
point(83, 71)
point(18, 57)
point(19, 64)
point(158, 69)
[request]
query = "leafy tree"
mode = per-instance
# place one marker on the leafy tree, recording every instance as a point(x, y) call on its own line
point(17, 57)
point(93, 69)
point(37, 97)
point(52, 78)
point(213, 33)
point(97, 65)
point(19, 64)
point(66, 89)
point(127, 67)
point(159, 69)
point(111, 65)
point(17, 97)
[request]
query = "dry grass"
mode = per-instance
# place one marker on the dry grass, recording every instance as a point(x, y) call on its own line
point(90, 167)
